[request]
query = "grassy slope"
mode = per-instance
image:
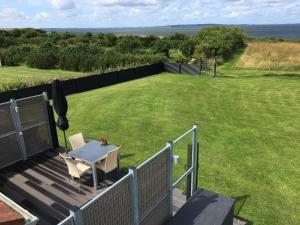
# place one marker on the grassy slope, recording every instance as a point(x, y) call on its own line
point(31, 75)
point(271, 56)
point(249, 133)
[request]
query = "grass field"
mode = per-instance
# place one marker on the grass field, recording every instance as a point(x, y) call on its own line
point(20, 75)
point(249, 130)
point(271, 56)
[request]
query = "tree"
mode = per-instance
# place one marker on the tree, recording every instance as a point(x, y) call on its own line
point(219, 41)
point(161, 46)
point(187, 48)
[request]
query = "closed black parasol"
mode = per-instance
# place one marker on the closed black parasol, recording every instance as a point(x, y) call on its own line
point(60, 105)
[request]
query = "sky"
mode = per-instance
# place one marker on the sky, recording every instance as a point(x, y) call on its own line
point(137, 13)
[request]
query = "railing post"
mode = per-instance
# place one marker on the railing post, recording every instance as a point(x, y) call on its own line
point(16, 116)
point(194, 158)
point(77, 216)
point(189, 177)
point(170, 144)
point(134, 194)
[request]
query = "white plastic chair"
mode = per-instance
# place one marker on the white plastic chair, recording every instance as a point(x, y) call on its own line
point(110, 162)
point(75, 168)
point(77, 141)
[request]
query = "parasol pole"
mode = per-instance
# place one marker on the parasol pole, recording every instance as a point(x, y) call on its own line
point(66, 145)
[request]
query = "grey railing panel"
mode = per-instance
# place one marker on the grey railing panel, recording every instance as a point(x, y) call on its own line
point(9, 148)
point(34, 124)
point(153, 181)
point(159, 216)
point(112, 208)
point(6, 120)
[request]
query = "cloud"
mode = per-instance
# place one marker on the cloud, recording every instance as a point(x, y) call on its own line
point(11, 14)
point(124, 3)
point(63, 4)
point(41, 15)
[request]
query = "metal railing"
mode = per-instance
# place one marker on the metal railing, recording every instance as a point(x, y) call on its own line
point(67, 221)
point(25, 130)
point(142, 197)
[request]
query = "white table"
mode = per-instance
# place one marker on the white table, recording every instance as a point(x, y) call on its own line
point(91, 153)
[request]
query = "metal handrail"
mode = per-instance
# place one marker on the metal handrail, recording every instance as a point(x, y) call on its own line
point(188, 172)
point(66, 220)
point(185, 134)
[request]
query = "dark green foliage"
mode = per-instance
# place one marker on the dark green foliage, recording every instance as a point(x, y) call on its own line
point(220, 41)
point(14, 55)
point(178, 37)
point(187, 48)
point(44, 57)
point(88, 52)
point(129, 44)
point(161, 46)
point(148, 41)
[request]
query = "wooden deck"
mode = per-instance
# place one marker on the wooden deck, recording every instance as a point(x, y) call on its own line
point(41, 185)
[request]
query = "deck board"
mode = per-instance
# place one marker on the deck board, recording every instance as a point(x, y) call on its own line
point(41, 185)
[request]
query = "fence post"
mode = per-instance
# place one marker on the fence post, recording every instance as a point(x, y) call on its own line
point(134, 194)
point(194, 158)
point(16, 116)
point(77, 215)
point(180, 67)
point(170, 145)
point(215, 67)
point(200, 66)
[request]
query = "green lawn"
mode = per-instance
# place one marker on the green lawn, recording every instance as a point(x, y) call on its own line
point(13, 75)
point(249, 129)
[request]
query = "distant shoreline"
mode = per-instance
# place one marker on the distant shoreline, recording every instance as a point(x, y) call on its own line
point(285, 31)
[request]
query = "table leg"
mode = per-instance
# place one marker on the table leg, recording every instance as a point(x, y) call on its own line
point(95, 178)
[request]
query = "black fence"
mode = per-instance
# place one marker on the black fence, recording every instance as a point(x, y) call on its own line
point(87, 83)
point(203, 67)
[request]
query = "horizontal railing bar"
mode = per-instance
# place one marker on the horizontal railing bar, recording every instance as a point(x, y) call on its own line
point(154, 156)
point(66, 220)
point(34, 96)
point(149, 211)
point(8, 134)
point(190, 170)
point(34, 125)
point(105, 192)
point(185, 134)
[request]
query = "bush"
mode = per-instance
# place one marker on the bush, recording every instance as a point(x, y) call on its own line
point(177, 56)
point(79, 58)
point(14, 55)
point(219, 41)
point(44, 57)
point(129, 44)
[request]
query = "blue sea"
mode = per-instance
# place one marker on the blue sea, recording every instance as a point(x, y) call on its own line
point(285, 31)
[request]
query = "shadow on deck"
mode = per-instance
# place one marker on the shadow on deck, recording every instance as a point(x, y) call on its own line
point(41, 185)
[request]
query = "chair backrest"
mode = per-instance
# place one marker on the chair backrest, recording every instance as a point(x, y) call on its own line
point(111, 161)
point(72, 167)
point(77, 141)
